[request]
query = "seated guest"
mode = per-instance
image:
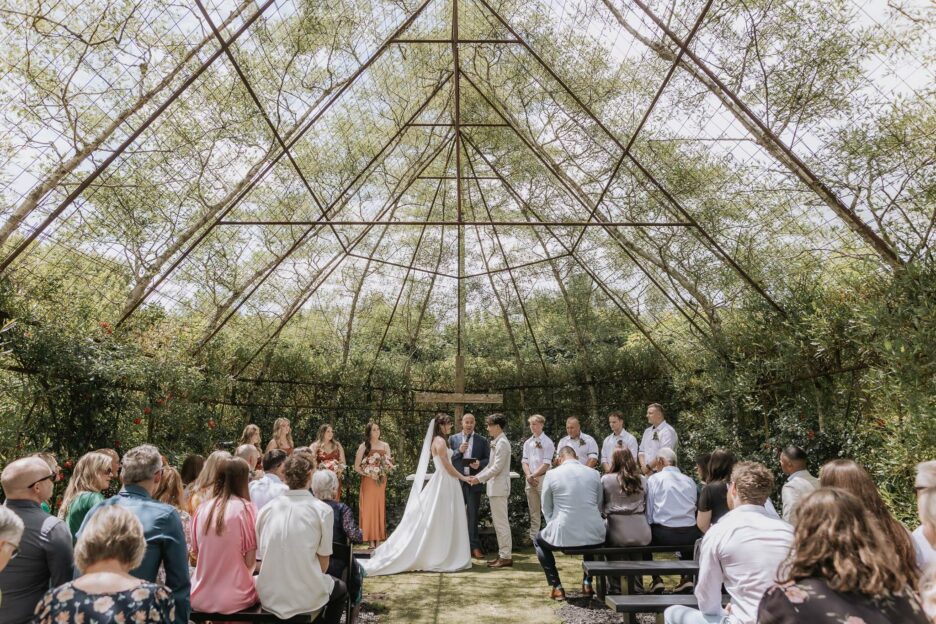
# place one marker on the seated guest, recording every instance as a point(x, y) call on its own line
point(671, 512)
point(925, 535)
point(169, 491)
point(625, 508)
point(191, 467)
point(111, 544)
point(290, 528)
point(224, 543)
point(701, 469)
point(52, 462)
point(847, 475)
point(659, 435)
point(11, 533)
point(203, 487)
point(572, 496)
point(619, 438)
point(713, 500)
point(799, 482)
point(114, 486)
point(92, 475)
point(345, 531)
point(250, 454)
point(44, 557)
point(585, 447)
point(842, 569)
point(141, 472)
point(741, 552)
point(270, 485)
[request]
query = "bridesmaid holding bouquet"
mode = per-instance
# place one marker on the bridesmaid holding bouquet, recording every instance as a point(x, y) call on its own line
point(329, 454)
point(372, 462)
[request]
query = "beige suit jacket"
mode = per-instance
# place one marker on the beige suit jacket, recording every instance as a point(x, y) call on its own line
point(497, 474)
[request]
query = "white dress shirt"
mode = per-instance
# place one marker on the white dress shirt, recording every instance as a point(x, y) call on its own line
point(611, 442)
point(797, 485)
point(650, 445)
point(584, 452)
point(742, 550)
point(925, 554)
point(534, 457)
point(671, 499)
point(265, 489)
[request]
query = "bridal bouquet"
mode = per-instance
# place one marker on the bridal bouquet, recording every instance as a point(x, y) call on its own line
point(335, 466)
point(377, 466)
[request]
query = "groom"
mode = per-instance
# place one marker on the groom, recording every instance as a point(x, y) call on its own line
point(471, 454)
point(497, 477)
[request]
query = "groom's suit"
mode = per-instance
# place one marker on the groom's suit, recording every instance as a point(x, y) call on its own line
point(497, 478)
point(481, 451)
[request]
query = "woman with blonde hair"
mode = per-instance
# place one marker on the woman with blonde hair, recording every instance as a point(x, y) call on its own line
point(91, 476)
point(329, 454)
point(251, 435)
point(282, 436)
point(203, 487)
point(110, 545)
point(842, 568)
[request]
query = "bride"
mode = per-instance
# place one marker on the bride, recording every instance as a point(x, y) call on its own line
point(433, 534)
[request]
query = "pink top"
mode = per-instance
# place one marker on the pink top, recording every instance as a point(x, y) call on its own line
point(222, 582)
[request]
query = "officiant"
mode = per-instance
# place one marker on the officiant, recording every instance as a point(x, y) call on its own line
point(471, 455)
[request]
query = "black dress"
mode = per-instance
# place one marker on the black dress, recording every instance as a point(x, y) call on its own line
point(812, 601)
point(714, 498)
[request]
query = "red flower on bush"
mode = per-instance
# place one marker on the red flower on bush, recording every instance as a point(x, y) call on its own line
point(137, 421)
point(810, 434)
point(212, 424)
point(68, 464)
point(147, 411)
point(106, 327)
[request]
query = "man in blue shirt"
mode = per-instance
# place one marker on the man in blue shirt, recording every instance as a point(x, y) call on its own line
point(162, 527)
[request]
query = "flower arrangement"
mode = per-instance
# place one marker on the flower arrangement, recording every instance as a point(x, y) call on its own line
point(335, 466)
point(377, 466)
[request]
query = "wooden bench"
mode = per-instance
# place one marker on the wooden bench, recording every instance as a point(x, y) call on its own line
point(629, 606)
point(633, 569)
point(604, 551)
point(255, 613)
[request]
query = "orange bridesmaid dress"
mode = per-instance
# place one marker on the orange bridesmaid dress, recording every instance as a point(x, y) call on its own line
point(372, 505)
point(321, 456)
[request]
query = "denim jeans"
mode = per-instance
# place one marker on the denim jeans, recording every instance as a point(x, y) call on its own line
point(686, 615)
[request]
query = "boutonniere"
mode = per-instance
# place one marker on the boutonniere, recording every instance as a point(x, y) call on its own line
point(581, 442)
point(537, 444)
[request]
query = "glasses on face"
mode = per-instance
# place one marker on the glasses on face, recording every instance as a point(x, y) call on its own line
point(50, 477)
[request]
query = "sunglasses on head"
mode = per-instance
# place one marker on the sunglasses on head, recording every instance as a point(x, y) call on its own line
point(50, 477)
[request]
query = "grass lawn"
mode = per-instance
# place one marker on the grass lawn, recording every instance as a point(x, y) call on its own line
point(517, 594)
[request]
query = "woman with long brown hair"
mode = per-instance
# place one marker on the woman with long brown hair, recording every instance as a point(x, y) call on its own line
point(848, 475)
point(170, 491)
point(224, 542)
point(202, 488)
point(282, 436)
point(625, 501)
point(373, 496)
point(91, 476)
point(842, 569)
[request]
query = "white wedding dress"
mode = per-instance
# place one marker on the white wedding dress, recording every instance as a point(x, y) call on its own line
point(433, 534)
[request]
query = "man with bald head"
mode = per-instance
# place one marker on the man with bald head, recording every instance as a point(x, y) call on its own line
point(250, 454)
point(45, 551)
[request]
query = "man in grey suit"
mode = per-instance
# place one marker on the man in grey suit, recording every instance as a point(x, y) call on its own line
point(572, 496)
point(497, 477)
point(470, 456)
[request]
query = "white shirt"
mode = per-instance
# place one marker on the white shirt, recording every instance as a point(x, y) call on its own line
point(742, 550)
point(584, 452)
point(797, 485)
point(665, 437)
point(534, 457)
point(925, 554)
point(671, 499)
point(265, 489)
point(291, 530)
point(611, 442)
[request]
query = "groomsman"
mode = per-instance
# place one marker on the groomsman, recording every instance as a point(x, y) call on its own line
point(619, 438)
point(585, 447)
point(537, 451)
point(471, 454)
point(497, 478)
point(660, 434)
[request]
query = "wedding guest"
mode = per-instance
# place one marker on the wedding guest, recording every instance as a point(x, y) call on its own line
point(713, 500)
point(250, 454)
point(327, 449)
point(799, 482)
point(114, 486)
point(585, 447)
point(470, 456)
point(344, 531)
point(271, 484)
point(141, 472)
point(251, 435)
point(742, 552)
point(52, 462)
point(11, 533)
point(671, 512)
point(169, 491)
point(91, 476)
point(44, 557)
point(289, 529)
point(841, 568)
point(659, 435)
point(203, 487)
point(282, 436)
point(925, 535)
point(224, 542)
point(497, 477)
point(624, 508)
point(846, 474)
point(572, 496)
point(110, 546)
point(191, 467)
point(538, 450)
point(373, 496)
point(701, 469)
point(618, 438)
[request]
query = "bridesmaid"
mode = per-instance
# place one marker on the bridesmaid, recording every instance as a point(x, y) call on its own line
point(251, 435)
point(372, 503)
point(282, 436)
point(326, 447)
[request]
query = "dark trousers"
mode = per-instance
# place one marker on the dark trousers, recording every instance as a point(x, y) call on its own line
point(674, 536)
point(331, 614)
point(544, 552)
point(472, 496)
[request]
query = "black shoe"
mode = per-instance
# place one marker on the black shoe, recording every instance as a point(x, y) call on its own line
point(657, 586)
point(685, 586)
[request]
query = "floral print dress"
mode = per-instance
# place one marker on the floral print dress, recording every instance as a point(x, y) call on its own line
point(812, 601)
point(147, 603)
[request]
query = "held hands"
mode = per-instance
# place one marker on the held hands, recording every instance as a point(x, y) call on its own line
point(471, 480)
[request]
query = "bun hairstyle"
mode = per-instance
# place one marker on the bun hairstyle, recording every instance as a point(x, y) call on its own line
point(441, 420)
